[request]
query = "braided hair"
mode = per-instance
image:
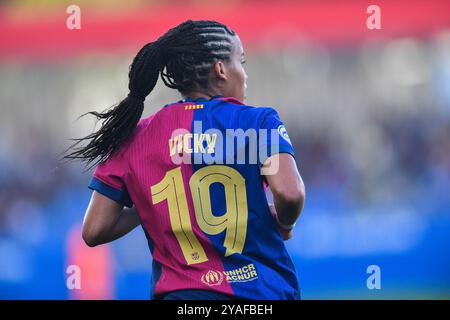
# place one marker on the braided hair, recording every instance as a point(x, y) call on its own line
point(183, 57)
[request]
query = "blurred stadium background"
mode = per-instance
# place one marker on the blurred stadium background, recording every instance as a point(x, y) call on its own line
point(367, 110)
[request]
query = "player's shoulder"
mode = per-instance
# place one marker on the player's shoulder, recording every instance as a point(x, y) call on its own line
point(160, 117)
point(164, 115)
point(250, 110)
point(139, 132)
point(144, 123)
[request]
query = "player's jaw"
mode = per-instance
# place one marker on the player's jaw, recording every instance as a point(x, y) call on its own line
point(233, 81)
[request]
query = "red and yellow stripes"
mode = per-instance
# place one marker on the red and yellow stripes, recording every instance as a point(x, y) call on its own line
point(193, 106)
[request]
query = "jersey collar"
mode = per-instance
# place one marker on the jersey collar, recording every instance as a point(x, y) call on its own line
point(188, 99)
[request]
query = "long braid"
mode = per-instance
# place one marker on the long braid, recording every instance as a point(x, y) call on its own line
point(183, 57)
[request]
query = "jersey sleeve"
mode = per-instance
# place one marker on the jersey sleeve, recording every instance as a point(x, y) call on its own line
point(109, 179)
point(276, 139)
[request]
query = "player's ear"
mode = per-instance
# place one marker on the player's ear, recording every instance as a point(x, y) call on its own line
point(219, 70)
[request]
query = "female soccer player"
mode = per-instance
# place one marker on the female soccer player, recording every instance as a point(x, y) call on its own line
point(191, 175)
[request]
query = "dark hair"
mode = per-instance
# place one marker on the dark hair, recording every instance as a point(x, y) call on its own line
point(183, 57)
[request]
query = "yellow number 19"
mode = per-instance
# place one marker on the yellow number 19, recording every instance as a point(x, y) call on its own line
point(234, 221)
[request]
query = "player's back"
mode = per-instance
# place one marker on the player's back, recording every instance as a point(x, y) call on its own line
point(193, 173)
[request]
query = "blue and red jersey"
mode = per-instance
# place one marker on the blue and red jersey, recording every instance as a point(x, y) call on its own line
point(193, 173)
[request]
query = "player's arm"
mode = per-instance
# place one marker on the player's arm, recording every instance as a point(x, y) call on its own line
point(106, 220)
point(288, 191)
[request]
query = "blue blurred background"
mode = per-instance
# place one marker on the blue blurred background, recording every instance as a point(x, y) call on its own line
point(368, 112)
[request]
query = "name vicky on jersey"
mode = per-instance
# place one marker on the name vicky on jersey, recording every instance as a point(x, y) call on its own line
point(202, 143)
